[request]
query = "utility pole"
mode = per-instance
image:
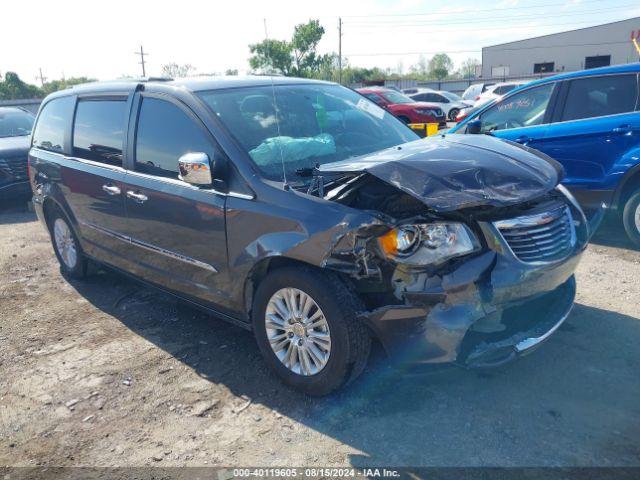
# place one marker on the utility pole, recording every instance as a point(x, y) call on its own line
point(340, 50)
point(142, 54)
point(41, 77)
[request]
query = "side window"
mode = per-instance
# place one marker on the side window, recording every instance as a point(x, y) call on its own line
point(99, 130)
point(164, 134)
point(422, 97)
point(52, 124)
point(600, 96)
point(439, 98)
point(523, 109)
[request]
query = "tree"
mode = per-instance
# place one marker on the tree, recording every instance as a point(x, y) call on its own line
point(468, 68)
point(440, 66)
point(12, 88)
point(231, 72)
point(297, 57)
point(419, 68)
point(304, 44)
point(55, 85)
point(272, 56)
point(173, 70)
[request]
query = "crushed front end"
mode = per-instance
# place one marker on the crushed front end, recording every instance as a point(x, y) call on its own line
point(476, 265)
point(501, 299)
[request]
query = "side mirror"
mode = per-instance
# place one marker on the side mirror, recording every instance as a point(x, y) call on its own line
point(195, 168)
point(474, 127)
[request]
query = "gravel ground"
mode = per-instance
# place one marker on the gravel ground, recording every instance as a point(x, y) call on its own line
point(108, 373)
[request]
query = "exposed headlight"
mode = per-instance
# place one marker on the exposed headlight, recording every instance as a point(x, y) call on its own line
point(430, 243)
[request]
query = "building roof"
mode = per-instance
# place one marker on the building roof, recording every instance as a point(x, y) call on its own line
point(636, 19)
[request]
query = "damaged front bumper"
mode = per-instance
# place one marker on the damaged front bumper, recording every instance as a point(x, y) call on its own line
point(483, 311)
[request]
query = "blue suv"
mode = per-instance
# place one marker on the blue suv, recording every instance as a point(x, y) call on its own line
point(590, 122)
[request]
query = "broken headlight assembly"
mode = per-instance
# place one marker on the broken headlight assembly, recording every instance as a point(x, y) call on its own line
point(430, 243)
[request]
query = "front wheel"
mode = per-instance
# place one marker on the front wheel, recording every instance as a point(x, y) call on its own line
point(307, 331)
point(631, 218)
point(453, 114)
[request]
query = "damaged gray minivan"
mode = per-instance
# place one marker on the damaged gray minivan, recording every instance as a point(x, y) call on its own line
point(302, 211)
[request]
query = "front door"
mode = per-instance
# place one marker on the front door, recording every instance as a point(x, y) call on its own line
point(177, 230)
point(521, 117)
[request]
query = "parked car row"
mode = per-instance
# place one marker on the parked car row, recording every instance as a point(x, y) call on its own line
point(405, 108)
point(450, 103)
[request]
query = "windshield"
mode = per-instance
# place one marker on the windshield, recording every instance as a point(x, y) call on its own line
point(397, 97)
point(15, 123)
point(316, 124)
point(451, 96)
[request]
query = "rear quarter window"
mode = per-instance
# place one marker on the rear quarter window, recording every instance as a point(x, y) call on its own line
point(600, 96)
point(52, 124)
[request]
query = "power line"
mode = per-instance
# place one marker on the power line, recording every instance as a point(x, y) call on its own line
point(41, 77)
point(475, 51)
point(497, 9)
point(142, 54)
point(496, 29)
point(480, 20)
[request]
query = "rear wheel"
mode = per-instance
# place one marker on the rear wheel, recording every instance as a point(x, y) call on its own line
point(307, 331)
point(66, 246)
point(631, 218)
point(453, 114)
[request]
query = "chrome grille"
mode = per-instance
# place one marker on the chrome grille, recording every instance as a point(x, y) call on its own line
point(15, 167)
point(541, 237)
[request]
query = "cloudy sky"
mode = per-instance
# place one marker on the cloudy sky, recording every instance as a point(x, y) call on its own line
point(98, 39)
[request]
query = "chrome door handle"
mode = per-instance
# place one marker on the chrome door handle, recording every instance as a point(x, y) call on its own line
point(138, 197)
point(111, 189)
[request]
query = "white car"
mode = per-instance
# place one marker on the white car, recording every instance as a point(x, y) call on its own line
point(497, 91)
point(472, 94)
point(449, 102)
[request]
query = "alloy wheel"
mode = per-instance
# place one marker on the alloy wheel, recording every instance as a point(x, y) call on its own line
point(65, 243)
point(298, 331)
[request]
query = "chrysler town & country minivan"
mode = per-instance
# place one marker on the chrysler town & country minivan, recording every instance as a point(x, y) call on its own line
point(303, 212)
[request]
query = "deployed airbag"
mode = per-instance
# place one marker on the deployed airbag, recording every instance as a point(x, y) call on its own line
point(288, 149)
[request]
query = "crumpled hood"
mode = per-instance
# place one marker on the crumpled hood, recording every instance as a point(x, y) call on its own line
point(449, 172)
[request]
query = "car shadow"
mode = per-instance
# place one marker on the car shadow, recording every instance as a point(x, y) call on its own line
point(15, 211)
point(575, 393)
point(611, 233)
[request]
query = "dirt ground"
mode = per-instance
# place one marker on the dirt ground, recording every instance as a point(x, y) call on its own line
point(108, 373)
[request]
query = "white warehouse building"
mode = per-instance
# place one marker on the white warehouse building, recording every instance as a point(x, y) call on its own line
point(591, 47)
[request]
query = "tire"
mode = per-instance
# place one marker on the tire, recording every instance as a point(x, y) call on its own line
point(631, 218)
point(350, 342)
point(453, 113)
point(73, 263)
point(404, 119)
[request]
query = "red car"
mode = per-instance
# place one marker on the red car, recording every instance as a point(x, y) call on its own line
point(403, 107)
